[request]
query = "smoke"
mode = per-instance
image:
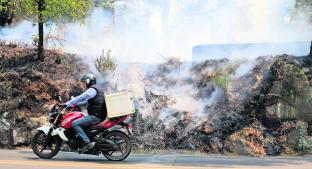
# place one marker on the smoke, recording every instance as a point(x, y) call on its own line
point(141, 31)
point(22, 32)
point(179, 91)
point(244, 68)
point(143, 34)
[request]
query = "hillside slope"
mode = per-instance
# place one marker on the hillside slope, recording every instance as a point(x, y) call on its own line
point(28, 88)
point(266, 111)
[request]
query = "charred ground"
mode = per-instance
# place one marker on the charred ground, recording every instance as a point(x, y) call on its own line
point(29, 88)
point(266, 111)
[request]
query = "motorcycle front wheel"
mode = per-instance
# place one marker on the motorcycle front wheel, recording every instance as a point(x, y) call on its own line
point(52, 147)
point(122, 144)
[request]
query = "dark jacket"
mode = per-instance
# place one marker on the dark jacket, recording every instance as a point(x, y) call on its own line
point(97, 106)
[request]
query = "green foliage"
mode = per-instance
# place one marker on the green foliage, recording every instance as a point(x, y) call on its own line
point(5, 4)
point(54, 9)
point(106, 62)
point(290, 75)
point(6, 12)
point(304, 6)
point(222, 76)
point(35, 40)
point(108, 3)
point(221, 80)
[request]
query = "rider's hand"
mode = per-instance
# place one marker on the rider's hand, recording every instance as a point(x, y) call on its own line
point(63, 105)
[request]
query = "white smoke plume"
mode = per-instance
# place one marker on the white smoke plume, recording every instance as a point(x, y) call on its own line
point(149, 32)
point(141, 31)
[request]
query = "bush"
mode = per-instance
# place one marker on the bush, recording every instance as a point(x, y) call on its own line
point(35, 40)
point(221, 80)
point(106, 62)
point(108, 4)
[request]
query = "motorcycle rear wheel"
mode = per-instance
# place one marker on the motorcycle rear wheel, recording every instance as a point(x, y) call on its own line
point(123, 145)
point(52, 148)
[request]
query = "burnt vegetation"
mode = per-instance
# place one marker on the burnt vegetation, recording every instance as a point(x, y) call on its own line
point(29, 88)
point(266, 111)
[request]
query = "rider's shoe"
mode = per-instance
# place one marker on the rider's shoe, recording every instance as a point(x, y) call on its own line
point(86, 147)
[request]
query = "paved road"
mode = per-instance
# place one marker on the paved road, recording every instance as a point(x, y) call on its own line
point(25, 159)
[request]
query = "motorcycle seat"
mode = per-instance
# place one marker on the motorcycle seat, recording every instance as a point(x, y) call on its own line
point(100, 124)
point(108, 123)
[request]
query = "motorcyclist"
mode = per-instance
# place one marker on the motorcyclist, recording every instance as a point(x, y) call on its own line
point(94, 96)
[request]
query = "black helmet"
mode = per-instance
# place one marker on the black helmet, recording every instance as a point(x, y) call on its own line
point(89, 79)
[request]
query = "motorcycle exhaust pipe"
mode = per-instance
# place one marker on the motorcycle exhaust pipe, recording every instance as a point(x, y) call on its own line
point(105, 147)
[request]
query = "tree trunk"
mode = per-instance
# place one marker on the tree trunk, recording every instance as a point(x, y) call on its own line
point(310, 54)
point(6, 13)
point(40, 42)
point(41, 6)
point(113, 16)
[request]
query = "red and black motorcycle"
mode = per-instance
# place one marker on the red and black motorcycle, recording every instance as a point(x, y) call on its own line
point(112, 142)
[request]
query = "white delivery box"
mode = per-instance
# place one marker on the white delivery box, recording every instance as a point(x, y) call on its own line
point(119, 104)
